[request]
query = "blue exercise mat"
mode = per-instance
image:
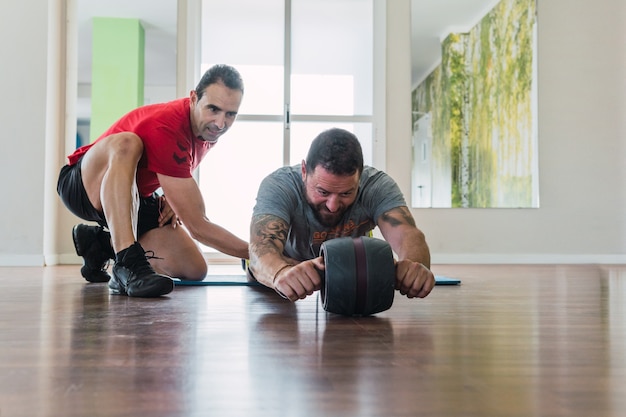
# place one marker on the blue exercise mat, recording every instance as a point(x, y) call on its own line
point(221, 280)
point(242, 280)
point(441, 280)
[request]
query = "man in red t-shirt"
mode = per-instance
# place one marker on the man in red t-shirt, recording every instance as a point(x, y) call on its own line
point(117, 181)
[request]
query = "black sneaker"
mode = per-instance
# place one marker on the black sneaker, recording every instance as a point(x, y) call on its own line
point(133, 275)
point(93, 243)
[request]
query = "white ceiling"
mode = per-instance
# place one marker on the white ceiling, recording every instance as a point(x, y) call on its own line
point(432, 20)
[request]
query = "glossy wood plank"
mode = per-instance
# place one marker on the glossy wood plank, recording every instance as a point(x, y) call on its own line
point(510, 341)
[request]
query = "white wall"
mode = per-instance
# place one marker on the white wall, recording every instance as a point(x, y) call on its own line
point(582, 152)
point(23, 72)
point(582, 138)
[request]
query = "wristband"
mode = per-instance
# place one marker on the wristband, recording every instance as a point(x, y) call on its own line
point(279, 271)
point(274, 279)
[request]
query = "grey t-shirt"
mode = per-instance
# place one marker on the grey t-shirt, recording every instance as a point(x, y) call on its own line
point(282, 194)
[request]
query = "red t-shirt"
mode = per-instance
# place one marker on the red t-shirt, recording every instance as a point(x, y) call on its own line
point(170, 148)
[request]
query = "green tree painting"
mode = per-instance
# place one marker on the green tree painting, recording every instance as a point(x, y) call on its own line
point(481, 107)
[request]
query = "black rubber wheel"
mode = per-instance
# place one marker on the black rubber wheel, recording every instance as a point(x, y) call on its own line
point(359, 276)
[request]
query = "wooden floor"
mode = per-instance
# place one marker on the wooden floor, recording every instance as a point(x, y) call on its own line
point(510, 341)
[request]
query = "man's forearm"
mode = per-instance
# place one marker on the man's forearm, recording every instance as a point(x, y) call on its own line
point(218, 238)
point(418, 253)
point(268, 234)
point(266, 264)
point(411, 244)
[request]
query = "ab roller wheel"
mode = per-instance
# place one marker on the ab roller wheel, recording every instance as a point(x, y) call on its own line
point(359, 276)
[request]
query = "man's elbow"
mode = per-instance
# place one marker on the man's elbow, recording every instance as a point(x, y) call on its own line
point(420, 236)
point(194, 228)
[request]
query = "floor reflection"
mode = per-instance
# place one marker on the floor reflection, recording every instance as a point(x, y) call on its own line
point(512, 340)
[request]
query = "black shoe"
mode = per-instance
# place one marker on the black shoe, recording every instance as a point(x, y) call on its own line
point(93, 243)
point(133, 275)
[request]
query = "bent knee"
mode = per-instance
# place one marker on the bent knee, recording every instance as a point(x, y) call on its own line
point(191, 266)
point(195, 272)
point(118, 148)
point(190, 270)
point(125, 145)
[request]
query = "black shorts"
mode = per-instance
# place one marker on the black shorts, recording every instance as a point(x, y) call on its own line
point(72, 192)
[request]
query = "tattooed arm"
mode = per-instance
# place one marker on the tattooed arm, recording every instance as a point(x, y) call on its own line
point(413, 275)
point(406, 240)
point(291, 279)
point(268, 235)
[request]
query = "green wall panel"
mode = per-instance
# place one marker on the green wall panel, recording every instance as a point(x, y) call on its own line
point(117, 70)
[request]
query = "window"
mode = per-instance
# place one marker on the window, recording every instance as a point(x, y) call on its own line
point(307, 66)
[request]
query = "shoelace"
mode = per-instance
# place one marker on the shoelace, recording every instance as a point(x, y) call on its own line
point(150, 255)
point(145, 267)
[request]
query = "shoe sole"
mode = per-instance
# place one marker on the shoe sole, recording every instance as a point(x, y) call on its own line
point(156, 292)
point(165, 289)
point(115, 291)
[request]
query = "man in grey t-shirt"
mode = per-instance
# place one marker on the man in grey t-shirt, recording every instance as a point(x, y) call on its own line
point(331, 195)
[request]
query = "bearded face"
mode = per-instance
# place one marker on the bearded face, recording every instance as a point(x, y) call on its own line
point(329, 195)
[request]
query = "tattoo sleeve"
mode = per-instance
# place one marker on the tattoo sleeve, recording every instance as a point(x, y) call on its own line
point(398, 216)
point(268, 234)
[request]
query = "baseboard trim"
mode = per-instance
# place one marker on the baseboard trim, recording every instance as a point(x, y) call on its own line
point(73, 259)
point(64, 259)
point(436, 259)
point(565, 259)
point(21, 260)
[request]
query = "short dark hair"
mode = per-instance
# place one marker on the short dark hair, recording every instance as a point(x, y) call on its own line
point(226, 74)
point(337, 151)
